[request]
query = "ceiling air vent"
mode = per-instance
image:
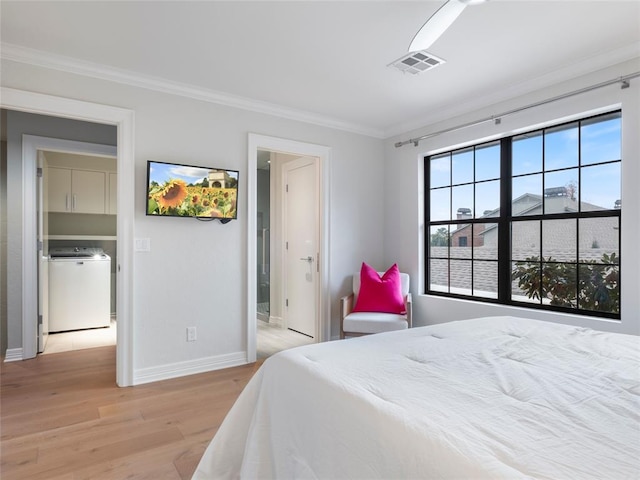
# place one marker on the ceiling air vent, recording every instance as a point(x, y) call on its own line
point(416, 62)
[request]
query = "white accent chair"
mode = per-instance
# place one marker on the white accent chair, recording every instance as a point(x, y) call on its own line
point(355, 324)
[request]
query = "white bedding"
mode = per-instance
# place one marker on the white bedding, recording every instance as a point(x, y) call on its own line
point(488, 398)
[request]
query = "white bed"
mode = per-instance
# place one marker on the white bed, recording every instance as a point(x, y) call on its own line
point(488, 398)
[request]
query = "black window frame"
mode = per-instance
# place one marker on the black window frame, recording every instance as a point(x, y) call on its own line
point(505, 219)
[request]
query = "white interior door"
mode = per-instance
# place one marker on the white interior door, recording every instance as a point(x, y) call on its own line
point(301, 237)
point(43, 260)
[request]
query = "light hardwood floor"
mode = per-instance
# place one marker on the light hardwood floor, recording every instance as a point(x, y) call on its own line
point(62, 417)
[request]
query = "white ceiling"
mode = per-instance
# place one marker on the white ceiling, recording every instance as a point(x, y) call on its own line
point(327, 60)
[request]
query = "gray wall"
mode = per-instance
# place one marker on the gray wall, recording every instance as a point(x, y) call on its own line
point(3, 243)
point(263, 210)
point(18, 124)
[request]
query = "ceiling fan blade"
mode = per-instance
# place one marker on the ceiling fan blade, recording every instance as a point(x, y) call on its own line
point(437, 24)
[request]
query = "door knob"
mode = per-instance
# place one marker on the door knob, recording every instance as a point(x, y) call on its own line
point(307, 259)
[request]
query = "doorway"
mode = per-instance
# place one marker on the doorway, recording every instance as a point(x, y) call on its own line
point(19, 100)
point(77, 217)
point(269, 229)
point(287, 203)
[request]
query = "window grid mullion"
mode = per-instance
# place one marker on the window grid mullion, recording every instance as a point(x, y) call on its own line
point(541, 256)
point(504, 223)
point(579, 211)
point(474, 215)
point(450, 218)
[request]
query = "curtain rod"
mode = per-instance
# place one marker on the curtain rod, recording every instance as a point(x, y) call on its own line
point(624, 83)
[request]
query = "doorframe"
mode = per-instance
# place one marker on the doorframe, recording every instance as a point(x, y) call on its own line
point(31, 145)
point(123, 119)
point(281, 145)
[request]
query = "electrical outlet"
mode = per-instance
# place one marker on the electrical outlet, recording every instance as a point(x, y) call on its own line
point(191, 334)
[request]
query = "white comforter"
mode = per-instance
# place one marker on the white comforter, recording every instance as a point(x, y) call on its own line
point(488, 398)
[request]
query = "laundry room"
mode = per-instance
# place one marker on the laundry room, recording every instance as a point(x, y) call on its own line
point(79, 233)
point(57, 191)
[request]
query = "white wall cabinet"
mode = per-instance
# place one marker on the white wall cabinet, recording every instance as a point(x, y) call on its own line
point(77, 191)
point(113, 194)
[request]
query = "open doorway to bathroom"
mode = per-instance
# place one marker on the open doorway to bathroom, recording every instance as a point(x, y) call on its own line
point(286, 316)
point(295, 266)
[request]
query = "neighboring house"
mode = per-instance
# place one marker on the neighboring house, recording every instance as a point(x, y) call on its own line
point(559, 235)
point(596, 237)
point(466, 235)
point(556, 200)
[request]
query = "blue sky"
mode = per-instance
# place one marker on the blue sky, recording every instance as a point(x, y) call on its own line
point(599, 141)
point(161, 172)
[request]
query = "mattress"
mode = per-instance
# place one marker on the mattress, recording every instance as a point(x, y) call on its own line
point(488, 398)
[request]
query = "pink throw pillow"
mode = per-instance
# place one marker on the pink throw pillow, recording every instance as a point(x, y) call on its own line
point(380, 294)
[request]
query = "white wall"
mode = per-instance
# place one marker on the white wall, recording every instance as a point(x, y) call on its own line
point(405, 198)
point(194, 274)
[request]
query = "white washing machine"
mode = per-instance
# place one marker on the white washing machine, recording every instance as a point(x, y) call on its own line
point(79, 289)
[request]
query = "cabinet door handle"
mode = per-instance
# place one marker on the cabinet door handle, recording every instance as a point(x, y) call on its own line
point(74, 202)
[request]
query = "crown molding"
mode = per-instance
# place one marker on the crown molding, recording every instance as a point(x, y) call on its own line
point(39, 58)
point(568, 72)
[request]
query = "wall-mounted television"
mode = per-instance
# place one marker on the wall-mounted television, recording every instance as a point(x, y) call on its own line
point(178, 190)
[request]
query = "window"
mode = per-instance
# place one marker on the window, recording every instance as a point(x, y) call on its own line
point(530, 220)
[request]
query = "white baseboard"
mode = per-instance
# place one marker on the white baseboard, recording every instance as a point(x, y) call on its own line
point(191, 367)
point(277, 321)
point(13, 355)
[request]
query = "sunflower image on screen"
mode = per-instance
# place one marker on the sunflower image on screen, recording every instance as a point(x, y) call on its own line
point(189, 191)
